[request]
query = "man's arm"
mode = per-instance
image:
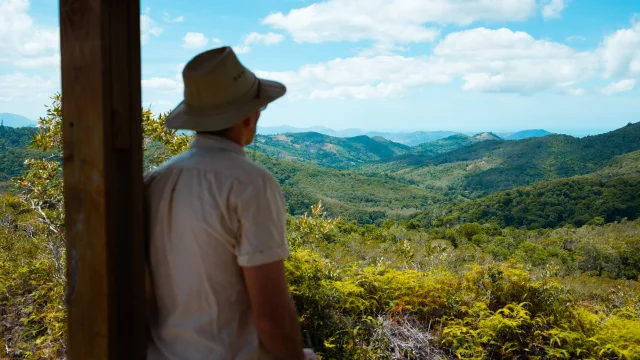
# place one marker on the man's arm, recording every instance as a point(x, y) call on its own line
point(274, 313)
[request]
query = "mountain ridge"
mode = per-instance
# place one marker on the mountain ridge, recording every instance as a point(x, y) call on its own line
point(15, 120)
point(328, 151)
point(490, 166)
point(410, 138)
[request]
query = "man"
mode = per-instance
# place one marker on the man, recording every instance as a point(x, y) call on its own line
point(216, 224)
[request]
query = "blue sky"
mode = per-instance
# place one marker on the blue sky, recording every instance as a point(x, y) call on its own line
point(569, 66)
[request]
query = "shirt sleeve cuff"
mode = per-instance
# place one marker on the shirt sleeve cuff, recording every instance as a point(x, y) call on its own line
point(263, 258)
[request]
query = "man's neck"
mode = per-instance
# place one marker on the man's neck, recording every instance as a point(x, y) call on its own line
point(226, 135)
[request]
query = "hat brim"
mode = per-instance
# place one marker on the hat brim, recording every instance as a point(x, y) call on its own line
point(185, 118)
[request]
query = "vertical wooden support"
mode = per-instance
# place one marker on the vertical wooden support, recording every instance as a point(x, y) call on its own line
point(101, 107)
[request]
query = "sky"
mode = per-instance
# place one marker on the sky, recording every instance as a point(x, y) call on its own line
point(569, 66)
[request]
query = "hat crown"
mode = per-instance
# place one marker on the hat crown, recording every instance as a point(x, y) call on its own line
point(219, 92)
point(217, 78)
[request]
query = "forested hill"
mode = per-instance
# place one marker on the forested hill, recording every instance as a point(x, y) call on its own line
point(551, 204)
point(501, 165)
point(347, 152)
point(348, 194)
point(13, 152)
point(328, 151)
point(525, 134)
point(447, 144)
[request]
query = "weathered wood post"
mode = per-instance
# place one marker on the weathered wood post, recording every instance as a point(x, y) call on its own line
point(101, 106)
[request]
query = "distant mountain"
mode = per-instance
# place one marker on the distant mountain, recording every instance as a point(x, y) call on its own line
point(447, 144)
point(486, 136)
point(490, 166)
point(14, 120)
point(413, 138)
point(406, 138)
point(328, 151)
point(284, 129)
point(526, 134)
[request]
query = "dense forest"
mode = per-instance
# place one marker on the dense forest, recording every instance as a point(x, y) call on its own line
point(14, 151)
point(574, 201)
point(444, 255)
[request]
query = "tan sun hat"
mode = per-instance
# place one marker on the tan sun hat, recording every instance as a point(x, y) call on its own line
point(220, 92)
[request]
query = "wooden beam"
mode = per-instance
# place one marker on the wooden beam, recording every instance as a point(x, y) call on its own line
point(101, 107)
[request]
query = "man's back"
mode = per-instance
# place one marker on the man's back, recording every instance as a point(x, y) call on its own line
point(211, 211)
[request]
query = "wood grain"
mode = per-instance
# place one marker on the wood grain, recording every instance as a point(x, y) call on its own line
point(101, 106)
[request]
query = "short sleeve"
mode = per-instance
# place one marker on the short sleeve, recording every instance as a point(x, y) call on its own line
point(262, 222)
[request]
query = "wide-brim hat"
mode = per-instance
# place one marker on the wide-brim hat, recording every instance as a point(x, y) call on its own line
point(219, 92)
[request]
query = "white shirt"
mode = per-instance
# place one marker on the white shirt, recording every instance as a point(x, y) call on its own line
point(211, 212)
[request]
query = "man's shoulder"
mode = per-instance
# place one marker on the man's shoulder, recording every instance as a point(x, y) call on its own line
point(260, 170)
point(235, 166)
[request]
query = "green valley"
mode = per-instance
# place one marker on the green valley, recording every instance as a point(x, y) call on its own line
point(352, 195)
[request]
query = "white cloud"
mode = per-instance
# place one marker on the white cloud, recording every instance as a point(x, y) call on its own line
point(485, 60)
point(25, 43)
point(379, 91)
point(553, 8)
point(148, 27)
point(42, 61)
point(162, 83)
point(19, 86)
point(620, 86)
point(501, 44)
point(576, 92)
point(169, 19)
point(620, 52)
point(194, 40)
point(242, 49)
point(360, 77)
point(507, 61)
point(216, 41)
point(257, 38)
point(390, 22)
point(266, 39)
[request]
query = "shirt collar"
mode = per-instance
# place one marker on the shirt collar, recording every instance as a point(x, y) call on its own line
point(216, 142)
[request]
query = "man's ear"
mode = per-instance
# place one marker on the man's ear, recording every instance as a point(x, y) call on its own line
point(247, 122)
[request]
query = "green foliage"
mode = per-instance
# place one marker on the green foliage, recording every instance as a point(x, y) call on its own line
point(447, 144)
point(160, 142)
point(32, 312)
point(357, 290)
point(14, 150)
point(350, 195)
point(551, 204)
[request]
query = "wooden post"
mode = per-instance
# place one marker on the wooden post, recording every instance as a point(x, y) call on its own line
point(101, 107)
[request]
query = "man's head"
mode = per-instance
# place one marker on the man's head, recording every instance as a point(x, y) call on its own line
point(243, 132)
point(223, 97)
